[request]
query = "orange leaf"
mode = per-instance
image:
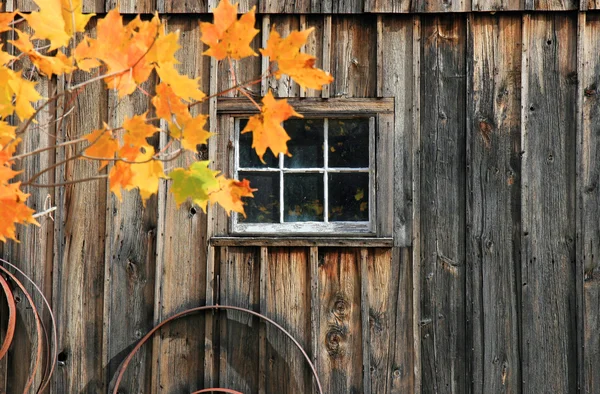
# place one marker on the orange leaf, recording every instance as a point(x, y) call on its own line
point(5, 20)
point(169, 106)
point(103, 145)
point(138, 130)
point(266, 128)
point(182, 85)
point(299, 66)
point(230, 194)
point(194, 134)
point(228, 36)
point(24, 92)
point(144, 175)
point(48, 65)
point(13, 210)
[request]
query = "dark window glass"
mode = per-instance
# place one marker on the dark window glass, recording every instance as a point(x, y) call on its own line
point(306, 144)
point(349, 143)
point(303, 197)
point(264, 207)
point(248, 156)
point(348, 197)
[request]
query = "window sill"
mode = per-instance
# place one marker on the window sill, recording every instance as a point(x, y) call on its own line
point(303, 241)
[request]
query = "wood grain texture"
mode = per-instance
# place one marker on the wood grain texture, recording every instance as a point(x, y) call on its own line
point(239, 339)
point(395, 78)
point(353, 65)
point(133, 6)
point(442, 194)
point(588, 199)
point(387, 6)
point(340, 358)
point(284, 25)
point(498, 5)
point(551, 5)
point(493, 206)
point(387, 295)
point(314, 46)
point(315, 106)
point(78, 273)
point(336, 6)
point(548, 203)
point(284, 6)
point(182, 6)
point(130, 268)
point(287, 299)
point(178, 351)
point(440, 6)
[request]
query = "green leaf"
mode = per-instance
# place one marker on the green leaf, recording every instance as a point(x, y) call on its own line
point(197, 182)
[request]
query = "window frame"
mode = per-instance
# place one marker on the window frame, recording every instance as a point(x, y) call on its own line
point(380, 170)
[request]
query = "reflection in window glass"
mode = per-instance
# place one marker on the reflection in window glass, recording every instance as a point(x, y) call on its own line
point(306, 144)
point(264, 207)
point(303, 197)
point(348, 197)
point(248, 156)
point(349, 143)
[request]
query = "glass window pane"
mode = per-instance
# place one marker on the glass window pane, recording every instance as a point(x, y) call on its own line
point(348, 197)
point(264, 207)
point(248, 156)
point(349, 142)
point(306, 144)
point(303, 197)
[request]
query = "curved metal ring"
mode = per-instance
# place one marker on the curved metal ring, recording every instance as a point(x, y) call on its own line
point(12, 318)
point(123, 366)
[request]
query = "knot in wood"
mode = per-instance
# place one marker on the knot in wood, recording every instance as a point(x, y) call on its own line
point(334, 341)
point(340, 307)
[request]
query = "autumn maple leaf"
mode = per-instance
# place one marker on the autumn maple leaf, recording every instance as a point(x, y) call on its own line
point(13, 210)
point(228, 36)
point(57, 21)
point(266, 128)
point(5, 20)
point(299, 66)
point(48, 65)
point(195, 183)
point(230, 193)
point(102, 145)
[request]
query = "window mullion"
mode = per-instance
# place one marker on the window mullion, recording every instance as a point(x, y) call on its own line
point(281, 188)
point(326, 167)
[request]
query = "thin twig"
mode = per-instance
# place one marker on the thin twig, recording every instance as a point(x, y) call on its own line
point(92, 178)
point(46, 212)
point(35, 152)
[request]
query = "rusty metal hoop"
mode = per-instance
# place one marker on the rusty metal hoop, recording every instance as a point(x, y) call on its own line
point(123, 367)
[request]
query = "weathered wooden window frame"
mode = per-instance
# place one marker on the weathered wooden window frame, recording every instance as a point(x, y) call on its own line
point(379, 111)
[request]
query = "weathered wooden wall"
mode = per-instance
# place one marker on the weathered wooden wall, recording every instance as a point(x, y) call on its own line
point(490, 284)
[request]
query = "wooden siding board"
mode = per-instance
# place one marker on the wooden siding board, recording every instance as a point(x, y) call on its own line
point(287, 299)
point(442, 197)
point(387, 6)
point(498, 5)
point(133, 6)
point(386, 294)
point(130, 263)
point(440, 6)
point(239, 339)
point(183, 6)
point(314, 46)
point(284, 25)
point(336, 6)
point(588, 190)
point(178, 351)
point(78, 273)
point(493, 210)
point(340, 357)
point(396, 80)
point(548, 204)
point(284, 6)
point(354, 64)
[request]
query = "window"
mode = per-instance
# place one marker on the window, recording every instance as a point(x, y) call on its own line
point(338, 181)
point(326, 186)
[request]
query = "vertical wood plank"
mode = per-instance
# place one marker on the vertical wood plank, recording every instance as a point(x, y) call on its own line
point(326, 56)
point(548, 204)
point(385, 175)
point(284, 6)
point(183, 7)
point(588, 209)
point(340, 357)
point(336, 6)
point(442, 191)
point(397, 73)
point(287, 299)
point(498, 5)
point(551, 5)
point(441, 6)
point(243, 5)
point(181, 254)
point(315, 345)
point(387, 276)
point(416, 193)
point(354, 64)
point(78, 277)
point(130, 253)
point(365, 317)
point(493, 213)
point(240, 286)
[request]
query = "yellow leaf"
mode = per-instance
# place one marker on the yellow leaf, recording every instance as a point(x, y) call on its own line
point(182, 85)
point(228, 36)
point(194, 134)
point(138, 130)
point(102, 145)
point(266, 128)
point(48, 65)
point(13, 210)
point(5, 20)
point(57, 21)
point(25, 94)
point(230, 193)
